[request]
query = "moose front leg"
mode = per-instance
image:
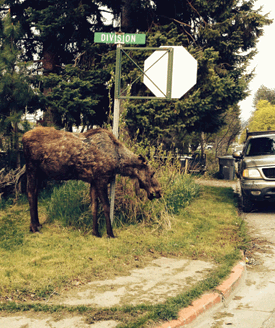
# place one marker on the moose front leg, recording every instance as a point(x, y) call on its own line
point(94, 206)
point(103, 195)
point(32, 193)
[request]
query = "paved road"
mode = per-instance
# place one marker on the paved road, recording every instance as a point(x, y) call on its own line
point(253, 305)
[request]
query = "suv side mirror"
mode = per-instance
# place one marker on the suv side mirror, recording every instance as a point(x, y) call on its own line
point(237, 155)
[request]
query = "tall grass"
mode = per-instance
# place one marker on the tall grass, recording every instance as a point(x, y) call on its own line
point(69, 205)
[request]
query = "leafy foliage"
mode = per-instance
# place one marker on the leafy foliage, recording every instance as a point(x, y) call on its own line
point(262, 119)
point(264, 93)
point(15, 90)
point(77, 97)
point(181, 192)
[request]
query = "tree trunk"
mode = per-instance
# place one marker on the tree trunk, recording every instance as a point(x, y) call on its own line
point(202, 145)
point(17, 152)
point(127, 17)
point(49, 65)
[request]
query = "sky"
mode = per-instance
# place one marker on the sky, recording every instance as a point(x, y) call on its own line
point(263, 62)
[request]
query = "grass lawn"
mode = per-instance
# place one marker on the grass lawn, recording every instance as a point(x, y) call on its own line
point(33, 266)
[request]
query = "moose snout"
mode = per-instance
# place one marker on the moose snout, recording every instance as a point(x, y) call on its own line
point(153, 195)
point(158, 194)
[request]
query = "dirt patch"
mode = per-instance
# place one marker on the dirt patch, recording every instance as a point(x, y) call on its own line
point(219, 183)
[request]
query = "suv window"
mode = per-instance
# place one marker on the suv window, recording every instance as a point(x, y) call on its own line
point(261, 146)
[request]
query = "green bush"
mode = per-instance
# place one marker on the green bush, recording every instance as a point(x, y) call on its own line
point(212, 165)
point(69, 205)
point(181, 191)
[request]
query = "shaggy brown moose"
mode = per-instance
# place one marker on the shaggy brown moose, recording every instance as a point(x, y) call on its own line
point(95, 156)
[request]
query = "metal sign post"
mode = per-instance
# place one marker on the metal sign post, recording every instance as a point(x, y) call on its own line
point(115, 124)
point(117, 90)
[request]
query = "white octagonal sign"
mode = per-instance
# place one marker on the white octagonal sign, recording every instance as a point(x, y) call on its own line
point(184, 72)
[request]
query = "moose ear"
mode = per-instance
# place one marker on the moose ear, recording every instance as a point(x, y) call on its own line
point(142, 159)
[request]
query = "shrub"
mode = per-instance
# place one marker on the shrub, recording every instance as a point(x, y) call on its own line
point(212, 165)
point(181, 191)
point(69, 205)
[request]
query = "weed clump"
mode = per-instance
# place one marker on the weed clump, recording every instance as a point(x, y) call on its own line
point(182, 191)
point(69, 205)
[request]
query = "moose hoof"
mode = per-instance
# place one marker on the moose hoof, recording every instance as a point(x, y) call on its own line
point(96, 234)
point(35, 228)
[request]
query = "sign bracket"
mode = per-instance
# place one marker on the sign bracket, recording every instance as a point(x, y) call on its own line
point(119, 93)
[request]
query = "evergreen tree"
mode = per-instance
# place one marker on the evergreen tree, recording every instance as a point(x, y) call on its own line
point(56, 34)
point(78, 95)
point(15, 91)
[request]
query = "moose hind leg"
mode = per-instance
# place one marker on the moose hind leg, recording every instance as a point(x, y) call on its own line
point(94, 206)
point(32, 192)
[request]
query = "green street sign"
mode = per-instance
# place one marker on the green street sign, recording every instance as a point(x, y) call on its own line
point(124, 38)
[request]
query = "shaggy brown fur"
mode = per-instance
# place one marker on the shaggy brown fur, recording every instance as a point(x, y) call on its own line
point(95, 156)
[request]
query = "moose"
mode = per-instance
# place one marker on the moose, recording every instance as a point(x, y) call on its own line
point(95, 156)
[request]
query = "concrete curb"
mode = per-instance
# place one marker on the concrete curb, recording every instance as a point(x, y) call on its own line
point(208, 301)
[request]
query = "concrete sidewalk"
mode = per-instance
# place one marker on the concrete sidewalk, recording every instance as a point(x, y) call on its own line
point(221, 294)
point(163, 278)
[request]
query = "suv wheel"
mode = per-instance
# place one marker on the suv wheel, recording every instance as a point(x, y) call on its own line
point(247, 204)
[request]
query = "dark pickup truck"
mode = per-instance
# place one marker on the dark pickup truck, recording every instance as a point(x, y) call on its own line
point(256, 168)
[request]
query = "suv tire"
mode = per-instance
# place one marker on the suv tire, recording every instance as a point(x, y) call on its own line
point(247, 203)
